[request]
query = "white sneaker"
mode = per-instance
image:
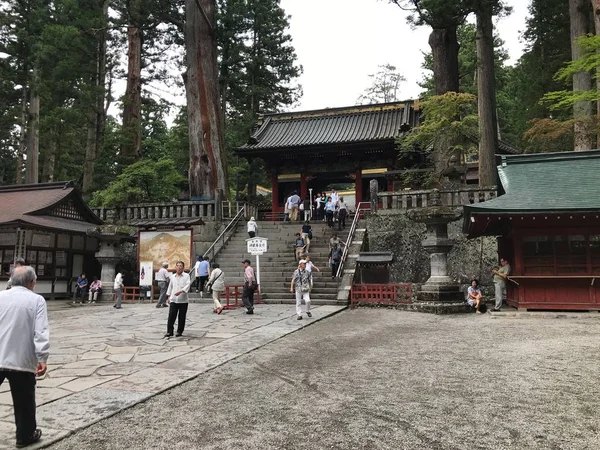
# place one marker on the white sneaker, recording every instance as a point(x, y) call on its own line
point(201, 294)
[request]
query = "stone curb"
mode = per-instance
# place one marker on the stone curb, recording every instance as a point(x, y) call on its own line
point(48, 442)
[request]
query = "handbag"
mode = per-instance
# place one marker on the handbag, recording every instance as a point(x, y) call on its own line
point(309, 234)
point(208, 286)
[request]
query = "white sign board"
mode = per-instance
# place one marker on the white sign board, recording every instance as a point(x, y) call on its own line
point(146, 273)
point(257, 245)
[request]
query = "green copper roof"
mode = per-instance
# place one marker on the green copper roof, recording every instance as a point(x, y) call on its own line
point(568, 181)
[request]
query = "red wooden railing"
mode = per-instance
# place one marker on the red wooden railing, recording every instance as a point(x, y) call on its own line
point(383, 294)
point(233, 296)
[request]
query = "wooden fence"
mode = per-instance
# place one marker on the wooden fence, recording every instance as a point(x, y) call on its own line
point(382, 294)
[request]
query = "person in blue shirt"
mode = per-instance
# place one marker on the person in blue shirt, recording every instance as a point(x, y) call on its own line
point(202, 273)
point(329, 210)
point(81, 289)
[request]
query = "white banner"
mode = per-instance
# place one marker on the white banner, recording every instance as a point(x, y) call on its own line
point(146, 273)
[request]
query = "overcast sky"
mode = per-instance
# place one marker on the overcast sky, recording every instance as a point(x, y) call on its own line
point(340, 42)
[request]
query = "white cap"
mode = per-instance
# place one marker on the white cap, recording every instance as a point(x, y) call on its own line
point(302, 261)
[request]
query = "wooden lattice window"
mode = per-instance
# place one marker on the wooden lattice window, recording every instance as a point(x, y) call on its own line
point(556, 255)
point(67, 210)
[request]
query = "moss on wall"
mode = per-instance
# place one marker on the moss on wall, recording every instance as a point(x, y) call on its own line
point(394, 231)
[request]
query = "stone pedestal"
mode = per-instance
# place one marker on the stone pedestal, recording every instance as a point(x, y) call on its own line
point(439, 294)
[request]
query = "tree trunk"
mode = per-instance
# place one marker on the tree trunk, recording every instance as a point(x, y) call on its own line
point(582, 81)
point(33, 132)
point(486, 96)
point(132, 111)
point(97, 116)
point(596, 12)
point(207, 153)
point(22, 138)
point(444, 49)
point(49, 161)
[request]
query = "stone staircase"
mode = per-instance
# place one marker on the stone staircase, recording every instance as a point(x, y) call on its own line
point(278, 264)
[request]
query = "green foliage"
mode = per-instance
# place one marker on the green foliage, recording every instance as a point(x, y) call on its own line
point(143, 181)
point(565, 99)
point(449, 123)
point(548, 135)
point(385, 86)
point(257, 73)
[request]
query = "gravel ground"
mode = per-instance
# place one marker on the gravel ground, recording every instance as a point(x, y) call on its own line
point(384, 379)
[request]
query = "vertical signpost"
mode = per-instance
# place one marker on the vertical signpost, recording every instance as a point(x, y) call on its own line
point(257, 246)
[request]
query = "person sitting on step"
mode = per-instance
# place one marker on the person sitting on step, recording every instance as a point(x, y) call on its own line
point(474, 297)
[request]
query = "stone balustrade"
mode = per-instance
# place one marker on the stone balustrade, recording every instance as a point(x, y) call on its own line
point(407, 200)
point(171, 210)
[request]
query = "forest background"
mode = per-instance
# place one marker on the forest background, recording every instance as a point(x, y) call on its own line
point(60, 61)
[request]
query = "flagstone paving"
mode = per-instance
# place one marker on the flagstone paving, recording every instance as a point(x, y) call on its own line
point(104, 360)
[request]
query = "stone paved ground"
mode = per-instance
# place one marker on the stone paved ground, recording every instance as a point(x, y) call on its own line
point(380, 379)
point(103, 360)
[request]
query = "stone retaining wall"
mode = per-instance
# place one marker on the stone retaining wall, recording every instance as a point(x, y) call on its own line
point(394, 231)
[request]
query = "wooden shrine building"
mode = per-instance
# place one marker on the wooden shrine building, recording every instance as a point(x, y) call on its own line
point(47, 225)
point(314, 149)
point(548, 228)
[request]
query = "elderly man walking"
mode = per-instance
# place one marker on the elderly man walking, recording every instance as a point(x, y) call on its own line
point(24, 349)
point(179, 287)
point(162, 278)
point(250, 286)
point(302, 282)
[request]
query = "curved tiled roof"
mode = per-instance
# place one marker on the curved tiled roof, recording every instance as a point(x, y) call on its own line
point(334, 126)
point(33, 204)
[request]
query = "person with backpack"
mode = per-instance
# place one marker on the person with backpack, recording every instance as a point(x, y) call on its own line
point(301, 284)
point(299, 247)
point(335, 257)
point(216, 284)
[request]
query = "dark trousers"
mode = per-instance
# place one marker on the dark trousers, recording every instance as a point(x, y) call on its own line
point(329, 215)
point(334, 268)
point(177, 309)
point(342, 218)
point(22, 388)
point(200, 282)
point(248, 297)
point(251, 233)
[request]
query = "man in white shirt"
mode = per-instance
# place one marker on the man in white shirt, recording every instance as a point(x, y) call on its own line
point(24, 349)
point(334, 196)
point(178, 289)
point(162, 278)
point(293, 203)
point(118, 287)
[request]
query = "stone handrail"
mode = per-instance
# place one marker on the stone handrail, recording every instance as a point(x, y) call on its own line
point(165, 210)
point(405, 200)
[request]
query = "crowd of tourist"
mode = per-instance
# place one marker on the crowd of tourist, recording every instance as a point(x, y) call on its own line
point(327, 208)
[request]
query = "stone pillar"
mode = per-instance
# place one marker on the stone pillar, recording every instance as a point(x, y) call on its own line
point(374, 193)
point(108, 255)
point(439, 288)
point(275, 193)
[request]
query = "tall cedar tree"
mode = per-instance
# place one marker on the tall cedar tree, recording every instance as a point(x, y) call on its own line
point(208, 161)
point(486, 90)
point(580, 14)
point(257, 72)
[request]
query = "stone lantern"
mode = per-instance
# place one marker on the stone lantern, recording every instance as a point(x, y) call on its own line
point(440, 293)
point(110, 239)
